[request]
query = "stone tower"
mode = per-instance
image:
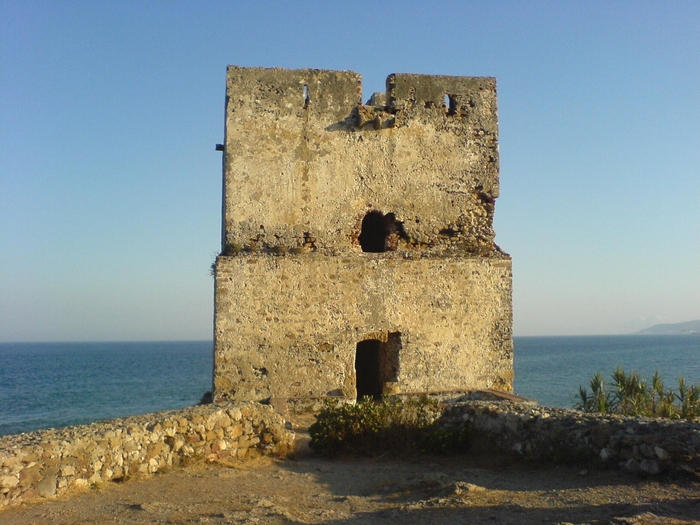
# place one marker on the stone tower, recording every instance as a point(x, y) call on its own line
point(358, 252)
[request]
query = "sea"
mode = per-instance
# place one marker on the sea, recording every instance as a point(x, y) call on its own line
point(48, 385)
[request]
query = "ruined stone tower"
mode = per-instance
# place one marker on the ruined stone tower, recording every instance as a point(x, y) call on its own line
point(358, 252)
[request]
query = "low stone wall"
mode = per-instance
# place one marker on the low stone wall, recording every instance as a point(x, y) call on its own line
point(48, 462)
point(640, 445)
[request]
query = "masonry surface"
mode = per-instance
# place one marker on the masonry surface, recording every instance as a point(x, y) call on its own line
point(358, 254)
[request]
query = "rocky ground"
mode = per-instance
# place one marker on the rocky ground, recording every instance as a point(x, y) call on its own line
point(311, 490)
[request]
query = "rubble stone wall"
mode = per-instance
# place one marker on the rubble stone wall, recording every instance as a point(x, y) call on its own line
point(50, 462)
point(643, 446)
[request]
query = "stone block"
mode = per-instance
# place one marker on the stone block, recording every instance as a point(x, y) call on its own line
point(30, 475)
point(9, 481)
point(661, 453)
point(47, 486)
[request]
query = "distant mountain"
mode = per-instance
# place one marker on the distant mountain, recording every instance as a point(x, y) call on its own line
point(689, 327)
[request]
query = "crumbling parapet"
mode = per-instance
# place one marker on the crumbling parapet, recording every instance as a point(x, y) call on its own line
point(304, 159)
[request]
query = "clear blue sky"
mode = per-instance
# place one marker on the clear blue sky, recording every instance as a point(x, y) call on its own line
point(110, 185)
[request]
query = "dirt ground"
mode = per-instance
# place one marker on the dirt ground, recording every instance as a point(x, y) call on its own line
point(311, 490)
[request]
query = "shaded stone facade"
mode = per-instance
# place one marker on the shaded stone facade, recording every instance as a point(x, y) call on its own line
point(358, 253)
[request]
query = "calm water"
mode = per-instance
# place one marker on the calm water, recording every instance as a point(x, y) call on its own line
point(550, 369)
point(46, 385)
point(56, 384)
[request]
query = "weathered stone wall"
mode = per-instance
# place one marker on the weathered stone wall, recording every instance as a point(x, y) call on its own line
point(50, 462)
point(295, 335)
point(301, 174)
point(306, 167)
point(642, 446)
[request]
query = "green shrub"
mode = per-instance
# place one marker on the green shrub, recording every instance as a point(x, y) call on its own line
point(631, 395)
point(369, 428)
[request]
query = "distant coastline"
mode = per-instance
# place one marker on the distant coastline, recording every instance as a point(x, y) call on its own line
point(688, 327)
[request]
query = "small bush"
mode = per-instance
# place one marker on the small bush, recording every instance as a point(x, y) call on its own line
point(631, 395)
point(370, 428)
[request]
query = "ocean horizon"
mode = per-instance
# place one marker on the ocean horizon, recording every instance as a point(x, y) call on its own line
point(44, 385)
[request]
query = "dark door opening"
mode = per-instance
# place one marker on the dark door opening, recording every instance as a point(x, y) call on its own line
point(376, 363)
point(367, 369)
